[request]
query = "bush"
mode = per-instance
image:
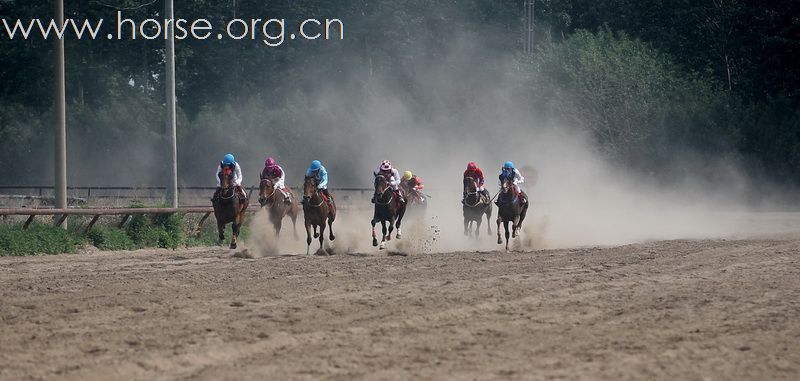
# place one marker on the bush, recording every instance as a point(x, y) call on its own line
point(164, 231)
point(37, 239)
point(107, 238)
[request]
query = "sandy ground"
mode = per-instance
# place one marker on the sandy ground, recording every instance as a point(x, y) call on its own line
point(690, 310)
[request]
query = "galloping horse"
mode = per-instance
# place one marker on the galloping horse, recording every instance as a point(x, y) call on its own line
point(416, 201)
point(511, 209)
point(278, 209)
point(388, 208)
point(228, 207)
point(316, 212)
point(476, 204)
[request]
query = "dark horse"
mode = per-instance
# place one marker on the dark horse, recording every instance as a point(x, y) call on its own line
point(316, 211)
point(511, 208)
point(229, 207)
point(278, 209)
point(388, 208)
point(476, 204)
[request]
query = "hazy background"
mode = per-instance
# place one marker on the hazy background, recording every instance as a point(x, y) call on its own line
point(634, 120)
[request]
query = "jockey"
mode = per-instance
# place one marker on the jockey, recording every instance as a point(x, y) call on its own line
point(229, 162)
point(508, 171)
point(392, 175)
point(318, 172)
point(274, 172)
point(412, 181)
point(474, 172)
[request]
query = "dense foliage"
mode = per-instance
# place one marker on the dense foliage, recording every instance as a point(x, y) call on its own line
point(711, 79)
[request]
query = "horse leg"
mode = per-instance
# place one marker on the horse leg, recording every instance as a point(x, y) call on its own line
point(221, 229)
point(488, 220)
point(391, 229)
point(235, 229)
point(399, 221)
point(308, 237)
point(374, 238)
point(330, 230)
point(293, 215)
point(478, 227)
point(383, 232)
point(322, 238)
point(505, 228)
point(467, 223)
point(499, 240)
point(278, 225)
point(316, 235)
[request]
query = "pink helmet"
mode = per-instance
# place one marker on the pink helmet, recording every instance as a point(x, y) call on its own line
point(269, 162)
point(386, 165)
point(472, 166)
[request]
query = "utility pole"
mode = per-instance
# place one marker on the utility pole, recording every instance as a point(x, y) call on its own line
point(530, 25)
point(60, 98)
point(172, 188)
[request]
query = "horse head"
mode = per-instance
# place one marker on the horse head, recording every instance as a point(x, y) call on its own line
point(470, 185)
point(381, 185)
point(309, 187)
point(266, 190)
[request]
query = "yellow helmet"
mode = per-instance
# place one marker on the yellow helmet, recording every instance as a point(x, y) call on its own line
point(407, 175)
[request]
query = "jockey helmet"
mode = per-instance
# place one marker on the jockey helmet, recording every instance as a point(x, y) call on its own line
point(407, 175)
point(315, 165)
point(386, 165)
point(270, 162)
point(228, 159)
point(472, 166)
point(508, 165)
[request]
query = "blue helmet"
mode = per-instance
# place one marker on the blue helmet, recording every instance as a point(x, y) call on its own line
point(228, 159)
point(508, 165)
point(315, 165)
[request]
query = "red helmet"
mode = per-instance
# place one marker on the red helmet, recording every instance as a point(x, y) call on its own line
point(269, 162)
point(386, 165)
point(472, 166)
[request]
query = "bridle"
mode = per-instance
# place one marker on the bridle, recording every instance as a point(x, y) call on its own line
point(316, 192)
point(387, 189)
point(471, 193)
point(270, 185)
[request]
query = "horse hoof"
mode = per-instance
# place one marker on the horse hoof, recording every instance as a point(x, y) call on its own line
point(316, 235)
point(233, 245)
point(383, 245)
point(499, 241)
point(332, 237)
point(398, 236)
point(374, 242)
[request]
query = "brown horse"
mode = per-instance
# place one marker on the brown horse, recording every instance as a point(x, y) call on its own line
point(271, 198)
point(414, 197)
point(316, 212)
point(511, 208)
point(388, 208)
point(476, 204)
point(229, 207)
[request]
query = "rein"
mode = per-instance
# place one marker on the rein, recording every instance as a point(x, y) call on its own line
point(391, 197)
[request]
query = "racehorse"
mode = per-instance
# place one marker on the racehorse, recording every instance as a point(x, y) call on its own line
point(278, 209)
point(414, 197)
point(511, 209)
point(316, 213)
point(388, 208)
point(229, 207)
point(476, 204)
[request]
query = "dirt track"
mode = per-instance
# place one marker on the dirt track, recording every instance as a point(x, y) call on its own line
point(704, 310)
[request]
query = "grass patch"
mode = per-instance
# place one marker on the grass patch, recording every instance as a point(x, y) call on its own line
point(108, 238)
point(37, 239)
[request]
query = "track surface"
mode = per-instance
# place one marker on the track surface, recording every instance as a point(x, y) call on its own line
point(693, 310)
